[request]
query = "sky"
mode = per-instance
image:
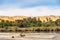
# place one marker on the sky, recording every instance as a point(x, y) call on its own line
point(29, 7)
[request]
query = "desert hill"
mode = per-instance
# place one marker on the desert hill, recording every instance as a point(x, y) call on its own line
point(51, 17)
point(12, 18)
point(42, 18)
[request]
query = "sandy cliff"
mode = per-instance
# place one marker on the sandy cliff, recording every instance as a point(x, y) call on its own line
point(42, 18)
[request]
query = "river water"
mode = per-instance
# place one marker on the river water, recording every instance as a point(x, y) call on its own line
point(30, 36)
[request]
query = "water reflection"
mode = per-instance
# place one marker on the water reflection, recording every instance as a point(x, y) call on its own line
point(32, 36)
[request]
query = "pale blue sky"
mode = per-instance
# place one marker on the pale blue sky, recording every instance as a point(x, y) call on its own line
point(28, 3)
point(8, 7)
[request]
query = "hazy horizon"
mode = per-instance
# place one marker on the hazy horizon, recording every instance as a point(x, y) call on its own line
point(29, 7)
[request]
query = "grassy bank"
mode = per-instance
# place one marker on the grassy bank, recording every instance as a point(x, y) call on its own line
point(30, 29)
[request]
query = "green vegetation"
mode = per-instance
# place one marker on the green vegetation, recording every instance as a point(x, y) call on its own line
point(22, 35)
point(29, 22)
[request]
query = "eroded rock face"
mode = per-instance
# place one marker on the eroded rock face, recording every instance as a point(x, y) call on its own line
point(47, 18)
point(12, 18)
point(42, 18)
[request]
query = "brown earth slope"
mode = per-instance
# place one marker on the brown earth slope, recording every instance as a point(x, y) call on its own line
point(42, 18)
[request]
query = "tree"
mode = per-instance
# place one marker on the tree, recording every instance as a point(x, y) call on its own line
point(57, 22)
point(46, 24)
point(2, 23)
point(39, 23)
point(19, 23)
point(33, 22)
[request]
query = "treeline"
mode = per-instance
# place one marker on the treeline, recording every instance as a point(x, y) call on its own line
point(29, 22)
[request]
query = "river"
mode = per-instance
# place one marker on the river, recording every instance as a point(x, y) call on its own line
point(30, 36)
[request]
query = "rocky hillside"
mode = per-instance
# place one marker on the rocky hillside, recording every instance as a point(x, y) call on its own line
point(42, 18)
point(51, 17)
point(12, 18)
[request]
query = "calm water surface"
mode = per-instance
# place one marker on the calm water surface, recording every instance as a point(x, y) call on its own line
point(30, 36)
